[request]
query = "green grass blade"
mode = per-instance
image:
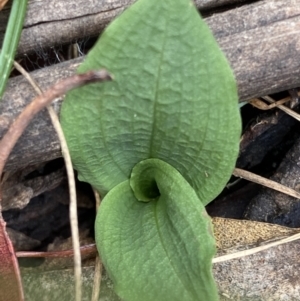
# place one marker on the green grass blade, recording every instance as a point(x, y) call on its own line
point(11, 40)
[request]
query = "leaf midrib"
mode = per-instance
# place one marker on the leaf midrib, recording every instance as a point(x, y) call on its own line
point(156, 91)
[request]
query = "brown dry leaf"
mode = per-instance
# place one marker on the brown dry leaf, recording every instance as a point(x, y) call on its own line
point(2, 3)
point(269, 275)
point(233, 233)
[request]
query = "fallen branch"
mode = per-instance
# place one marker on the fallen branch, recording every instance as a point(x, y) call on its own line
point(16, 129)
point(247, 175)
point(260, 41)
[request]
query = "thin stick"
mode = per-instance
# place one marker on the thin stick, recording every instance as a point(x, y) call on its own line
point(16, 129)
point(256, 250)
point(284, 108)
point(98, 264)
point(262, 106)
point(18, 126)
point(265, 182)
point(29, 78)
point(71, 183)
point(84, 250)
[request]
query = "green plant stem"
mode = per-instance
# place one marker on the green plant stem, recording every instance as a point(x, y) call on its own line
point(11, 40)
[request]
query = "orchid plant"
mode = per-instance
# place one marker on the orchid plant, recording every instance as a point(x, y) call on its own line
point(158, 143)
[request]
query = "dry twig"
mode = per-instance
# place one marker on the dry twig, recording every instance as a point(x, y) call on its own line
point(256, 250)
point(18, 126)
point(71, 182)
point(284, 108)
point(84, 250)
point(98, 264)
point(247, 175)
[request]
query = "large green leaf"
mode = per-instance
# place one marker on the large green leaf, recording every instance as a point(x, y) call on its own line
point(161, 247)
point(160, 142)
point(173, 98)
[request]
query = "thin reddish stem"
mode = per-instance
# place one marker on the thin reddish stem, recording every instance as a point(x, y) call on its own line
point(84, 250)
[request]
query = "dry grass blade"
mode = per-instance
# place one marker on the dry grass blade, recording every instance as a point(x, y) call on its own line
point(283, 108)
point(86, 250)
point(2, 3)
point(265, 182)
point(18, 126)
point(71, 182)
point(262, 106)
point(98, 264)
point(256, 250)
point(276, 104)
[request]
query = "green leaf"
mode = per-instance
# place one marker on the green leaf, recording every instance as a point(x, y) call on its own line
point(11, 40)
point(161, 247)
point(174, 98)
point(160, 142)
